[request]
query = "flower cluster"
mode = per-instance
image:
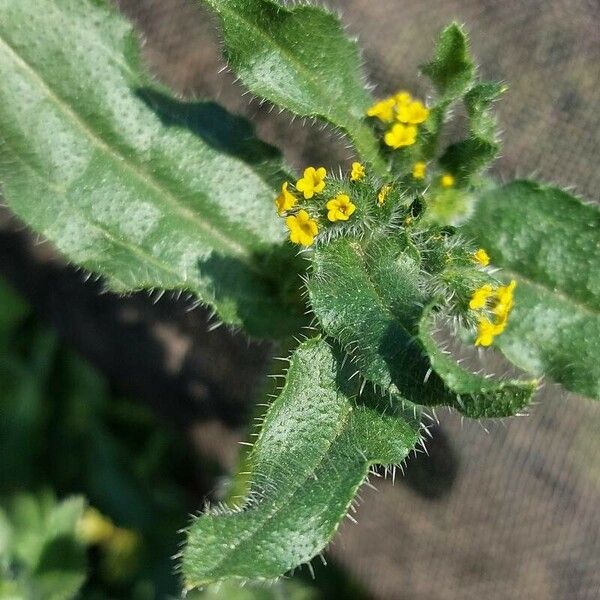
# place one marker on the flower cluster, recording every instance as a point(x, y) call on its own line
point(493, 305)
point(401, 114)
point(302, 218)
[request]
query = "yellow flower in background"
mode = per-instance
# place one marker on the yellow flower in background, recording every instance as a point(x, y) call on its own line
point(358, 172)
point(413, 113)
point(402, 97)
point(401, 135)
point(94, 528)
point(383, 110)
point(419, 170)
point(302, 228)
point(481, 257)
point(340, 208)
point(285, 201)
point(313, 182)
point(447, 180)
point(383, 193)
point(481, 296)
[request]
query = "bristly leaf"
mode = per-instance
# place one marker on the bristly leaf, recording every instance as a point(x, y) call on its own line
point(452, 72)
point(479, 396)
point(452, 69)
point(478, 101)
point(370, 297)
point(301, 59)
point(471, 155)
point(93, 158)
point(315, 447)
point(549, 241)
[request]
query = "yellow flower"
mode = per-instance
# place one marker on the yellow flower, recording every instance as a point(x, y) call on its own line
point(340, 208)
point(401, 135)
point(486, 331)
point(504, 301)
point(447, 180)
point(402, 98)
point(503, 296)
point(383, 110)
point(414, 112)
point(383, 193)
point(302, 228)
point(358, 172)
point(313, 182)
point(481, 257)
point(481, 296)
point(94, 528)
point(285, 201)
point(419, 170)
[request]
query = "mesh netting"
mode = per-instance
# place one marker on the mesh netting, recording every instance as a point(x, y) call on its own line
point(521, 519)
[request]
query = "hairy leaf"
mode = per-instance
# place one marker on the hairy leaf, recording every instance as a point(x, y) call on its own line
point(370, 296)
point(314, 450)
point(452, 72)
point(478, 396)
point(127, 182)
point(471, 155)
point(284, 589)
point(300, 59)
point(549, 241)
point(452, 68)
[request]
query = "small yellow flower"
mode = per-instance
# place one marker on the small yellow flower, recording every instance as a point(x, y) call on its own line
point(481, 296)
point(302, 228)
point(486, 331)
point(447, 180)
point(358, 172)
point(340, 208)
point(402, 98)
point(94, 528)
point(504, 301)
point(414, 112)
point(285, 201)
point(401, 135)
point(383, 193)
point(313, 182)
point(503, 296)
point(481, 257)
point(419, 170)
point(383, 110)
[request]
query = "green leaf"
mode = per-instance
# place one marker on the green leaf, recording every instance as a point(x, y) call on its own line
point(452, 69)
point(13, 309)
point(41, 552)
point(370, 296)
point(129, 184)
point(548, 241)
point(478, 396)
point(452, 72)
point(301, 59)
point(314, 451)
point(280, 590)
point(478, 102)
point(469, 156)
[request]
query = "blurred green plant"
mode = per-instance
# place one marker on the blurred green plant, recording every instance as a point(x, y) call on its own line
point(63, 430)
point(152, 193)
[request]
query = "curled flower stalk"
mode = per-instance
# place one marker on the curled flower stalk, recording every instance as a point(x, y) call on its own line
point(374, 214)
